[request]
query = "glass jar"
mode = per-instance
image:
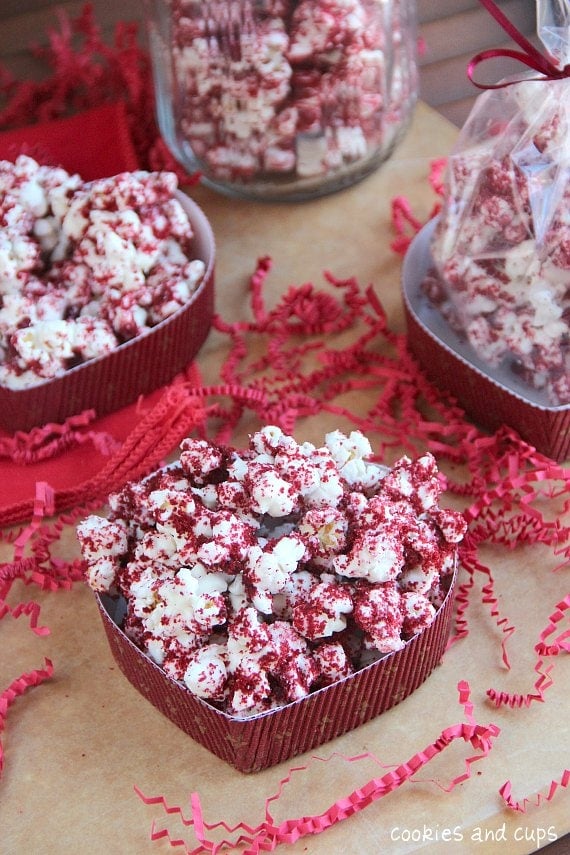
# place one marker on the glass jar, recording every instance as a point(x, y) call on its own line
point(283, 99)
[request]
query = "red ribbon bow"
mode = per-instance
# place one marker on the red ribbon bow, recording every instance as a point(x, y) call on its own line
point(529, 56)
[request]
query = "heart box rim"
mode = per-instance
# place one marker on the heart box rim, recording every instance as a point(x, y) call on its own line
point(452, 365)
point(264, 740)
point(136, 367)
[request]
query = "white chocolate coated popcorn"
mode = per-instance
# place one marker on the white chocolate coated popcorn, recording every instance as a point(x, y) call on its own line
point(102, 543)
point(502, 245)
point(254, 600)
point(207, 672)
point(85, 267)
point(287, 89)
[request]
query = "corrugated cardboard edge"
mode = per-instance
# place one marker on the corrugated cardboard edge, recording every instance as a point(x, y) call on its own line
point(268, 739)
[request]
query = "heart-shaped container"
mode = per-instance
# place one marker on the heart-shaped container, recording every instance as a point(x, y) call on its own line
point(261, 741)
point(492, 397)
point(136, 367)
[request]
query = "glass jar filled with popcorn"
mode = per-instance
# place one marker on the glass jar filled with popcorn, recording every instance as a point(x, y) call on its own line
point(283, 99)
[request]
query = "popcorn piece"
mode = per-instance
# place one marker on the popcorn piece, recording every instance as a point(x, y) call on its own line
point(329, 488)
point(232, 541)
point(418, 578)
point(199, 459)
point(332, 662)
point(255, 599)
point(103, 543)
point(350, 455)
point(44, 348)
point(451, 524)
point(132, 504)
point(418, 613)
point(92, 338)
point(324, 531)
point(270, 494)
point(204, 591)
point(295, 668)
point(376, 555)
point(297, 464)
point(295, 590)
point(267, 570)
point(169, 505)
point(323, 611)
point(250, 651)
point(206, 674)
point(177, 613)
point(378, 612)
point(269, 440)
point(416, 481)
point(250, 690)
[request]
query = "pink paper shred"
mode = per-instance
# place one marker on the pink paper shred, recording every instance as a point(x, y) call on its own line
point(266, 836)
point(302, 371)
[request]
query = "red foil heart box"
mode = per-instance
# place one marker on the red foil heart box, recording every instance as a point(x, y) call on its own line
point(261, 741)
point(491, 397)
point(134, 368)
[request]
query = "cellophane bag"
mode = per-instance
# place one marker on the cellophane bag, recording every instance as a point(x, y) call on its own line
point(501, 247)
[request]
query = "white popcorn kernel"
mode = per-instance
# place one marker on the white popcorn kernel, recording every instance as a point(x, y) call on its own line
point(418, 613)
point(271, 494)
point(164, 503)
point(350, 455)
point(206, 674)
point(159, 546)
point(270, 569)
point(324, 530)
point(376, 555)
point(332, 662)
point(102, 543)
point(323, 612)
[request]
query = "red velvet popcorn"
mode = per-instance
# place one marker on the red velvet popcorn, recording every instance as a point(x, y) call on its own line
point(501, 247)
point(286, 89)
point(85, 267)
point(325, 562)
point(378, 612)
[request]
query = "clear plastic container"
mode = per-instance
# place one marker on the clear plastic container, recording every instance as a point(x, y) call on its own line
point(279, 99)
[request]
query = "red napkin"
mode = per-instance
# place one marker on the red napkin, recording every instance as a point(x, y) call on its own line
point(95, 143)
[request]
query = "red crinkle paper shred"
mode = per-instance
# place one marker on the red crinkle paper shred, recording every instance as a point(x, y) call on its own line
point(297, 369)
point(17, 688)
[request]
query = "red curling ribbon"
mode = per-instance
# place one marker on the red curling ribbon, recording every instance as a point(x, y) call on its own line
point(529, 55)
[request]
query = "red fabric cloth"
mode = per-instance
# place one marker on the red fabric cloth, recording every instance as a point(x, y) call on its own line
point(95, 143)
point(73, 453)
